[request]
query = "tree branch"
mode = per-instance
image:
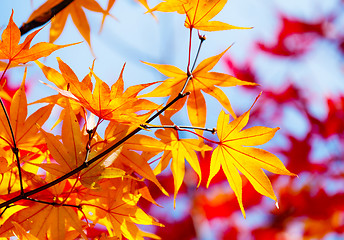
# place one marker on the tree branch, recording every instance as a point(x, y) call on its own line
point(45, 17)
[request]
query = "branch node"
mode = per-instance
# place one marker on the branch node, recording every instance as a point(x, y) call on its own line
point(86, 163)
point(15, 150)
point(202, 37)
point(186, 94)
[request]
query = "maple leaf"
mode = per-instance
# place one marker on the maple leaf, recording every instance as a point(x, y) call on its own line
point(59, 79)
point(179, 150)
point(201, 11)
point(16, 53)
point(202, 80)
point(75, 10)
point(171, 6)
point(24, 129)
point(71, 153)
point(198, 13)
point(139, 164)
point(52, 221)
point(113, 104)
point(233, 155)
point(118, 212)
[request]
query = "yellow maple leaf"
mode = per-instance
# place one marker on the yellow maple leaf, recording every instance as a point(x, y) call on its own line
point(233, 155)
point(198, 13)
point(179, 150)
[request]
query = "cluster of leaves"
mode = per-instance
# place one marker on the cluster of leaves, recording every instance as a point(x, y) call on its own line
point(311, 208)
point(64, 186)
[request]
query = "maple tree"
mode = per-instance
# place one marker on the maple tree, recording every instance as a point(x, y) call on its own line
point(65, 185)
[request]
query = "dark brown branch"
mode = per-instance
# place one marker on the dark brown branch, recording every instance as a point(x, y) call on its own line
point(45, 17)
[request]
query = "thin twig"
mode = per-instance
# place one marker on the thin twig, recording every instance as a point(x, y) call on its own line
point(198, 135)
point(213, 131)
point(2, 213)
point(53, 203)
point(189, 56)
point(189, 73)
point(186, 83)
point(202, 38)
point(14, 148)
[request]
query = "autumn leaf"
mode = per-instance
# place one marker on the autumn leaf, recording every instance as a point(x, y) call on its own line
point(119, 213)
point(71, 153)
point(16, 53)
point(24, 129)
point(198, 13)
point(114, 104)
point(179, 150)
point(178, 6)
point(138, 163)
point(75, 10)
point(202, 80)
point(21, 233)
point(233, 155)
point(44, 220)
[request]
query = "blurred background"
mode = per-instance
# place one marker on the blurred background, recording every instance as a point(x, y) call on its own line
point(295, 51)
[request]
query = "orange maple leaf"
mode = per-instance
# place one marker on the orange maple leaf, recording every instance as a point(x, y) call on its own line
point(44, 220)
point(71, 153)
point(24, 129)
point(75, 10)
point(202, 80)
point(118, 211)
point(233, 155)
point(107, 103)
point(16, 53)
